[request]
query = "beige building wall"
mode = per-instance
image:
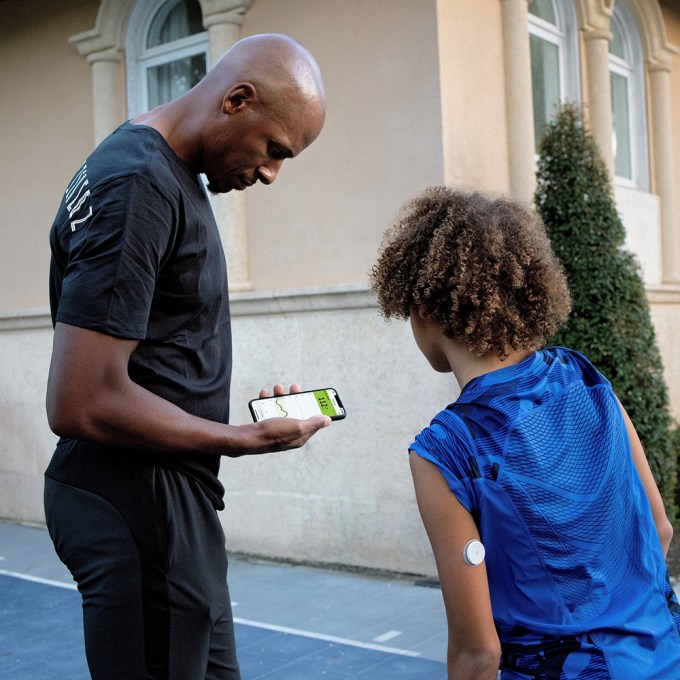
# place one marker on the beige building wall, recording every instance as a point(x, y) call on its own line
point(347, 497)
point(25, 440)
point(665, 308)
point(671, 18)
point(381, 142)
point(46, 118)
point(666, 300)
point(473, 94)
point(45, 132)
point(416, 96)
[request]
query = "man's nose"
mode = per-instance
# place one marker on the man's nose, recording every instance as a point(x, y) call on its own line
point(267, 173)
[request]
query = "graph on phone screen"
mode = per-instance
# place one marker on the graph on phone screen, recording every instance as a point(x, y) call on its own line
point(302, 405)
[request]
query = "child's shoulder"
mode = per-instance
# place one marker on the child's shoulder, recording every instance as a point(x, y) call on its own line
point(447, 443)
point(577, 362)
point(446, 432)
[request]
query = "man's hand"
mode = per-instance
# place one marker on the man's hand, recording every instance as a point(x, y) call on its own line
point(277, 434)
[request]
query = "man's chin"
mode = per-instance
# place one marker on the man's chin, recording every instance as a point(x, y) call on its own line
point(215, 189)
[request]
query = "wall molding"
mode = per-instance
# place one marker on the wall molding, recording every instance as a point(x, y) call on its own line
point(25, 319)
point(297, 300)
point(664, 294)
point(250, 303)
point(291, 301)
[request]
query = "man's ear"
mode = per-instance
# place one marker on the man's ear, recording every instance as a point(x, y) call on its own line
point(238, 97)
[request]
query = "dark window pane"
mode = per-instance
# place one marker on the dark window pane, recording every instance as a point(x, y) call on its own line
point(616, 44)
point(623, 160)
point(545, 82)
point(543, 9)
point(169, 81)
point(175, 20)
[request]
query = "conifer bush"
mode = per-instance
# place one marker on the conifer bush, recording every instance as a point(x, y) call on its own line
point(610, 322)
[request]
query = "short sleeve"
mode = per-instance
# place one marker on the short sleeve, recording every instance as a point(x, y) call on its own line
point(446, 444)
point(113, 259)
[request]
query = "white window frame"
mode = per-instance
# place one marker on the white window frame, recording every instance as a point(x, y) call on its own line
point(139, 58)
point(564, 35)
point(631, 68)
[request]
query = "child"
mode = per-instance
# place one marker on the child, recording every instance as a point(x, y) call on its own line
point(547, 528)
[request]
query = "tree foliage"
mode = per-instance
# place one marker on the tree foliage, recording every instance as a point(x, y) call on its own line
point(610, 322)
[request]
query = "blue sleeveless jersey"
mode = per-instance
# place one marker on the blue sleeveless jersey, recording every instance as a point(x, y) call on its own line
point(539, 454)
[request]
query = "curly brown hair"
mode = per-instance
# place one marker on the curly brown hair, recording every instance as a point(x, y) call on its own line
point(482, 266)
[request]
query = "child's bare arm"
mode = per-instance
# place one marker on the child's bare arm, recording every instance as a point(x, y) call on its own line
point(474, 648)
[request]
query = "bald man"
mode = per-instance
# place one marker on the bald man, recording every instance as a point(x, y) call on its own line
point(138, 388)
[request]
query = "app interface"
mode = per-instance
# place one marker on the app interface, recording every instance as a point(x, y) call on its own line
point(301, 406)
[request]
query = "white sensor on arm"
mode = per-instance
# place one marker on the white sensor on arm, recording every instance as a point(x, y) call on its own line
point(474, 552)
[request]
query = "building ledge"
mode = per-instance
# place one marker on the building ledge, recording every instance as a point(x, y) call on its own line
point(296, 300)
point(23, 319)
point(250, 303)
point(664, 294)
point(292, 301)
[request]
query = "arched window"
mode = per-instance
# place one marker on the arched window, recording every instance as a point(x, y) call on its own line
point(554, 58)
point(167, 52)
point(629, 137)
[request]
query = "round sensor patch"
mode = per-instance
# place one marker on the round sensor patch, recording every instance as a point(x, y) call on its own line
point(474, 552)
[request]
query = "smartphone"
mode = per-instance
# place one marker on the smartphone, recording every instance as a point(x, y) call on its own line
point(300, 405)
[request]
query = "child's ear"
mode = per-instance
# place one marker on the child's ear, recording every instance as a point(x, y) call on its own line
point(423, 312)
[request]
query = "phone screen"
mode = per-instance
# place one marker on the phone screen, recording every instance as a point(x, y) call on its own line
point(302, 405)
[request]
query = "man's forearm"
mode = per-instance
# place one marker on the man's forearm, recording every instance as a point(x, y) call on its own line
point(136, 418)
point(90, 396)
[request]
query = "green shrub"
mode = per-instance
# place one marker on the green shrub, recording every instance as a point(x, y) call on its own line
point(610, 322)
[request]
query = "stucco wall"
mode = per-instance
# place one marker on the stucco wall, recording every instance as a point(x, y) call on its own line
point(671, 18)
point(665, 310)
point(347, 497)
point(46, 114)
point(473, 94)
point(322, 221)
point(26, 442)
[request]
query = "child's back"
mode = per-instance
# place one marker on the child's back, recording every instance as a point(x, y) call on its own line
point(539, 452)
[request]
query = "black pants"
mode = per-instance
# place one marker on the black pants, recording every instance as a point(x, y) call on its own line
point(154, 606)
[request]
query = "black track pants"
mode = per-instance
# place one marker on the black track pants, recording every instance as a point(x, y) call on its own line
point(154, 606)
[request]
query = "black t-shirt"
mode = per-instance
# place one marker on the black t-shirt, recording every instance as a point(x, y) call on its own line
point(136, 254)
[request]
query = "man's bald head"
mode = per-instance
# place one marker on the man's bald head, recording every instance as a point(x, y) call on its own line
point(274, 63)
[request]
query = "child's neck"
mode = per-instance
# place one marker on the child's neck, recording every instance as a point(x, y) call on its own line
point(466, 366)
